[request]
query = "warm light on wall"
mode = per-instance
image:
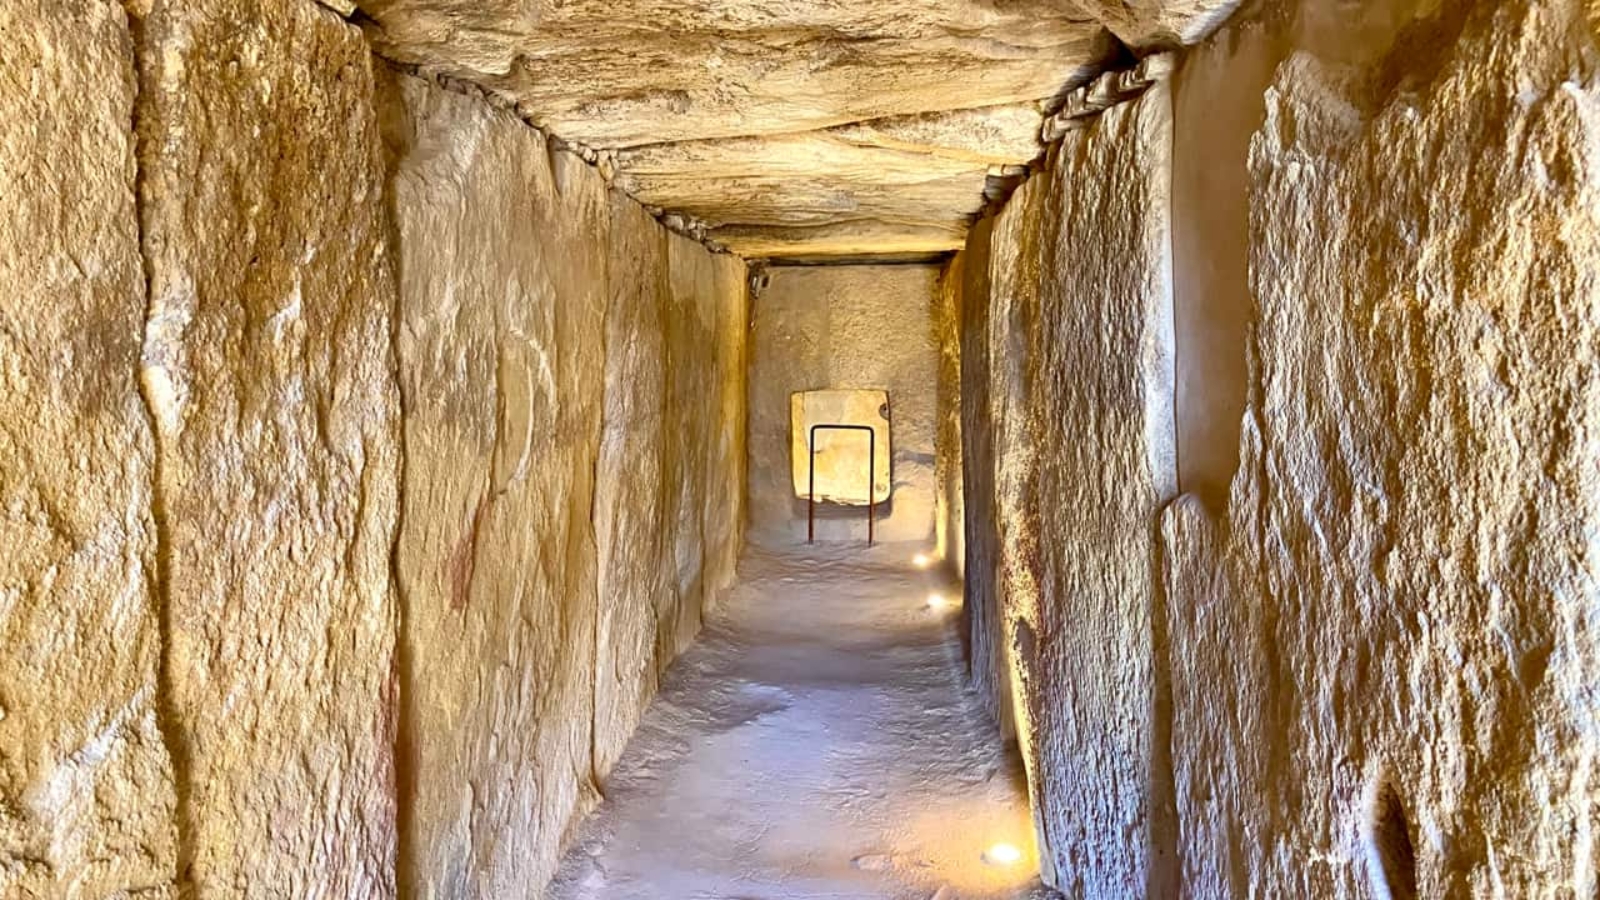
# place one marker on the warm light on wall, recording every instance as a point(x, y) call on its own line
point(922, 560)
point(1002, 854)
point(937, 601)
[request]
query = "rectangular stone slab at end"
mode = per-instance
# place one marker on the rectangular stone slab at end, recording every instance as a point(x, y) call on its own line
point(841, 456)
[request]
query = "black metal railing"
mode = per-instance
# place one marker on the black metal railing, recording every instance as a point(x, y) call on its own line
point(872, 477)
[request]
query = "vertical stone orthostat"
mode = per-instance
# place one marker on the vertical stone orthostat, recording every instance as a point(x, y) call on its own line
point(86, 783)
point(268, 368)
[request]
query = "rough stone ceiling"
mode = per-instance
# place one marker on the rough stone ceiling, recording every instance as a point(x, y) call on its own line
point(792, 128)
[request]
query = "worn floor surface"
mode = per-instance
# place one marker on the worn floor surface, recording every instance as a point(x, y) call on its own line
point(818, 742)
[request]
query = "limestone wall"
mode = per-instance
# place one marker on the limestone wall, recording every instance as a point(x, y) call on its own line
point(1360, 659)
point(1079, 434)
point(949, 498)
point(328, 396)
point(572, 377)
point(1397, 616)
point(869, 327)
point(268, 371)
point(86, 782)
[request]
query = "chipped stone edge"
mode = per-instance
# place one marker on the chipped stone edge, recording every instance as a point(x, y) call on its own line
point(1106, 91)
point(344, 8)
point(602, 161)
point(1080, 108)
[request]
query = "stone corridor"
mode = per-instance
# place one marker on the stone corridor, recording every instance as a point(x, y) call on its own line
point(409, 417)
point(817, 741)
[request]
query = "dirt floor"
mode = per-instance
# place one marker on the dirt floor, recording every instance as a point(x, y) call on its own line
point(818, 742)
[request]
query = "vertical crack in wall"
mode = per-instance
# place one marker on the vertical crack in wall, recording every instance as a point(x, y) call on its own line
point(152, 352)
point(1165, 874)
point(390, 114)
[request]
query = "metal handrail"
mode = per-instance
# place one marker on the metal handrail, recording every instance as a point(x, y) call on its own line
point(872, 477)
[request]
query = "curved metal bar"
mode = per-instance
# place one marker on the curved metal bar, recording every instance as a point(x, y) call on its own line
point(872, 477)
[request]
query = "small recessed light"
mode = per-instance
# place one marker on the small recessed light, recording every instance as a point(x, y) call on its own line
point(922, 560)
point(937, 601)
point(1002, 854)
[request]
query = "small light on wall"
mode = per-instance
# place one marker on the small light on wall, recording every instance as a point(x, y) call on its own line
point(937, 600)
point(922, 560)
point(1002, 854)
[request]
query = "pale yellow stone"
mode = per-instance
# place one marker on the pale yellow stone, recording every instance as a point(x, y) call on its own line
point(269, 365)
point(1400, 599)
point(87, 791)
point(1156, 24)
point(835, 466)
point(1079, 427)
point(573, 378)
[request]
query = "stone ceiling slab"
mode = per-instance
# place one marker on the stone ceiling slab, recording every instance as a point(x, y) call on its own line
point(617, 74)
point(1159, 24)
point(813, 178)
point(791, 127)
point(852, 239)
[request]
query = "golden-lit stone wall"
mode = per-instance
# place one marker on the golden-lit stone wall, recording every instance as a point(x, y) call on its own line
point(950, 538)
point(1385, 654)
point(1078, 427)
point(566, 366)
point(868, 327)
point(86, 781)
point(360, 451)
point(1358, 657)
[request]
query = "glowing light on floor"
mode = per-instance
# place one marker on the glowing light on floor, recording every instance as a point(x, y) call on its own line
point(922, 560)
point(1002, 855)
point(937, 601)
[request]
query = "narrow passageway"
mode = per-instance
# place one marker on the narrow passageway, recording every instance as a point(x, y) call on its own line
point(817, 742)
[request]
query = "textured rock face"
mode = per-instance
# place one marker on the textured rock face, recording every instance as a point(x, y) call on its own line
point(201, 690)
point(753, 192)
point(984, 620)
point(949, 514)
point(572, 380)
point(866, 327)
point(1080, 402)
point(1151, 24)
point(1409, 556)
point(707, 340)
point(612, 76)
point(502, 361)
point(1383, 658)
point(86, 788)
point(267, 367)
point(887, 117)
point(777, 124)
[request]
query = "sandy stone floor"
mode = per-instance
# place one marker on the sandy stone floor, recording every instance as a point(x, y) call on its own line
point(818, 742)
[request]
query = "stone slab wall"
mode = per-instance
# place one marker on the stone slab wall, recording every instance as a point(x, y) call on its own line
point(868, 327)
point(86, 782)
point(1079, 435)
point(1393, 628)
point(269, 374)
point(1373, 672)
point(363, 462)
point(571, 376)
point(949, 498)
point(985, 635)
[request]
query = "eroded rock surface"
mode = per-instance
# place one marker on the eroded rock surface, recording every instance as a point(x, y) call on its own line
point(1153, 24)
point(573, 383)
point(1080, 352)
point(813, 115)
point(1383, 657)
point(1400, 604)
point(267, 365)
point(86, 783)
